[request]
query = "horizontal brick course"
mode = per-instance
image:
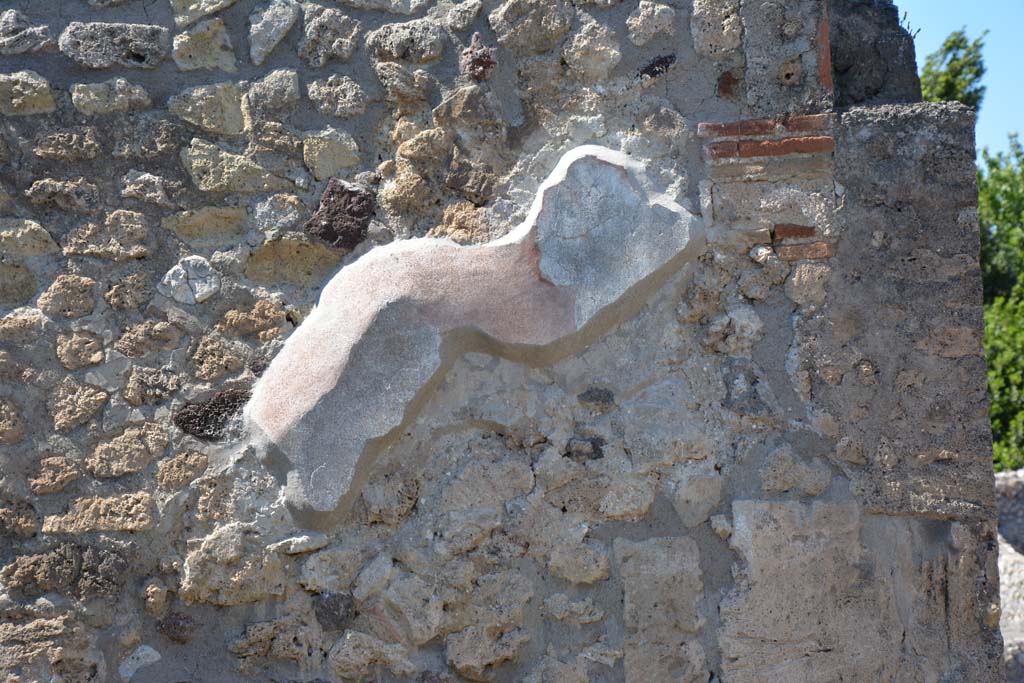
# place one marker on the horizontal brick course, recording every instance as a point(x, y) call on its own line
point(814, 251)
point(773, 148)
point(809, 123)
point(784, 231)
point(737, 128)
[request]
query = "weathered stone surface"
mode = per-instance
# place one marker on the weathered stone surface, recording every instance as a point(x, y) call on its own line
point(79, 350)
point(230, 568)
point(268, 24)
point(649, 19)
point(12, 425)
point(192, 281)
point(69, 195)
point(100, 45)
point(338, 96)
point(208, 225)
point(477, 60)
point(177, 472)
point(418, 41)
point(716, 27)
point(149, 188)
point(73, 404)
point(292, 261)
point(329, 34)
point(18, 35)
point(17, 286)
point(130, 512)
point(189, 11)
point(593, 51)
point(70, 296)
point(121, 237)
point(53, 476)
point(108, 97)
point(214, 170)
point(329, 151)
point(24, 93)
point(208, 420)
point(344, 215)
point(21, 238)
point(522, 510)
point(206, 45)
point(532, 25)
point(128, 452)
point(215, 108)
point(564, 263)
point(276, 90)
point(75, 144)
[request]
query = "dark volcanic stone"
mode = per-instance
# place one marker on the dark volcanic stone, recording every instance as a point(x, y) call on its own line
point(597, 398)
point(581, 449)
point(334, 610)
point(477, 60)
point(344, 215)
point(209, 419)
point(177, 626)
point(657, 66)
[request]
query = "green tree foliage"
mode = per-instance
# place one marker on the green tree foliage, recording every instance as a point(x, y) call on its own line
point(953, 73)
point(1001, 213)
point(1004, 343)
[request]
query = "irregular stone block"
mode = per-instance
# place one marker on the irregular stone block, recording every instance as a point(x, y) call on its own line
point(18, 36)
point(114, 96)
point(130, 512)
point(24, 93)
point(344, 215)
point(100, 45)
point(205, 46)
point(268, 24)
point(329, 34)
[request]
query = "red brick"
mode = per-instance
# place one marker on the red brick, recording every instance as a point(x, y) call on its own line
point(737, 128)
point(727, 83)
point(775, 148)
point(825, 51)
point(722, 150)
point(806, 252)
point(810, 123)
point(786, 231)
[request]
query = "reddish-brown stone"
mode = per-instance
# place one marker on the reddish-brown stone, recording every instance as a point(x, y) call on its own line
point(344, 215)
point(786, 231)
point(815, 251)
point(773, 148)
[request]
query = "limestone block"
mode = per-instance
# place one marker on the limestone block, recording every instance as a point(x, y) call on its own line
point(100, 45)
point(18, 35)
point(24, 93)
point(108, 97)
point(329, 34)
point(268, 24)
point(207, 45)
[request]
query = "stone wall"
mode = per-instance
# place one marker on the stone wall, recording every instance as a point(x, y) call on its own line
point(713, 408)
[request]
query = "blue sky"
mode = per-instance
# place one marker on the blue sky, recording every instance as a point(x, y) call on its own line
point(1002, 112)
